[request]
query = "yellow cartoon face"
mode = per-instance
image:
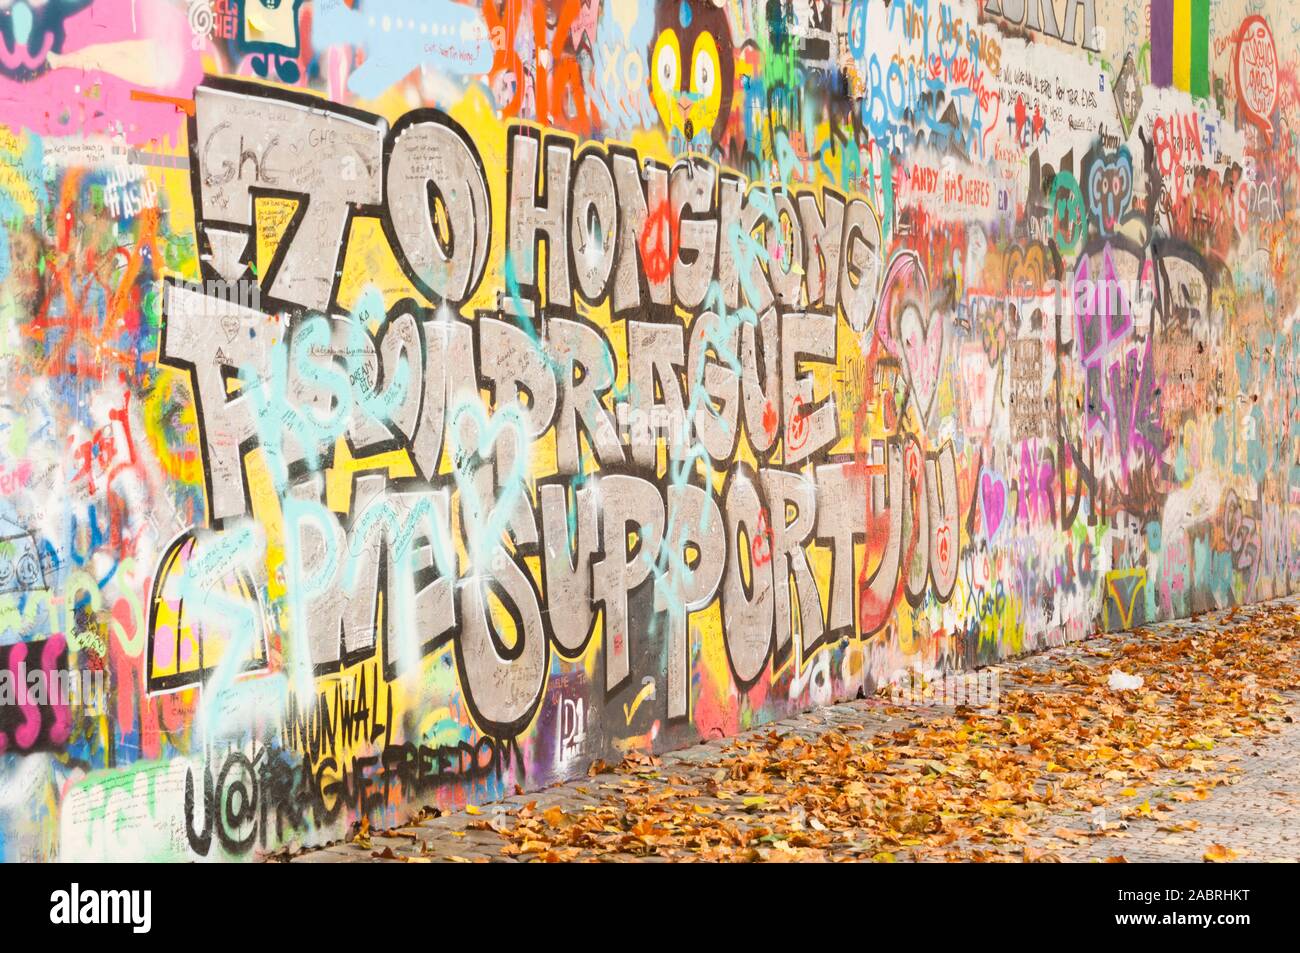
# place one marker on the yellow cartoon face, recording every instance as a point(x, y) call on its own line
point(690, 83)
point(665, 80)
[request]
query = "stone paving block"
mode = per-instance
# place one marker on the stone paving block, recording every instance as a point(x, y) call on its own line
point(321, 856)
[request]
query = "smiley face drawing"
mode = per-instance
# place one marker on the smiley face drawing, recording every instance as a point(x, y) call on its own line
point(692, 71)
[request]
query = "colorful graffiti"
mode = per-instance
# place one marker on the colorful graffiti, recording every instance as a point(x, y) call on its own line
point(405, 402)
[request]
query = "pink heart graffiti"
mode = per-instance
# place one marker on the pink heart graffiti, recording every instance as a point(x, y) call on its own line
point(993, 502)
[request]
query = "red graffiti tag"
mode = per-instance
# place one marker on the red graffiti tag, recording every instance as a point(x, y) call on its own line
point(760, 548)
point(658, 243)
point(798, 435)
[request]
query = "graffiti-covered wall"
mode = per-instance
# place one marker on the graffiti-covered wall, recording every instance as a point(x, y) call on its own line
point(405, 401)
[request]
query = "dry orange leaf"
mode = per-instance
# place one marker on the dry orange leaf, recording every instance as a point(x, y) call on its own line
point(1218, 854)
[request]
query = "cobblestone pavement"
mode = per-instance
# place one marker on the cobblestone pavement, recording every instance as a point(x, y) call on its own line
point(1252, 810)
point(1258, 817)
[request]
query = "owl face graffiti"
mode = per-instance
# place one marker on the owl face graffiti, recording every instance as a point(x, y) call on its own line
point(691, 70)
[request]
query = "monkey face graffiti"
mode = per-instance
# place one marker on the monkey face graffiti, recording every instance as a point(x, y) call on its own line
point(691, 70)
point(1110, 189)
